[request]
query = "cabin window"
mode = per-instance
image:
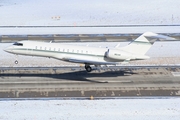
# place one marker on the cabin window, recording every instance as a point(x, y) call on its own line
point(18, 44)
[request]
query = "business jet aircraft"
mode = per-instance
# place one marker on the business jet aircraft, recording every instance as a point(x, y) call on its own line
point(135, 50)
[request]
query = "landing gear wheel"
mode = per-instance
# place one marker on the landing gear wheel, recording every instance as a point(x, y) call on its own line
point(88, 68)
point(16, 62)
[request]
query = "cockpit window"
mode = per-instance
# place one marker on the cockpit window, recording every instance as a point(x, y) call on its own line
point(18, 44)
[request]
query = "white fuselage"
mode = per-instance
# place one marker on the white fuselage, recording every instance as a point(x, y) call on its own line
point(71, 53)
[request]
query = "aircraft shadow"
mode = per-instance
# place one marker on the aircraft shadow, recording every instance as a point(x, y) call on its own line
point(75, 75)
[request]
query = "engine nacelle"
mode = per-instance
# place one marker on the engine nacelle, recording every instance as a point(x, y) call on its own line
point(118, 54)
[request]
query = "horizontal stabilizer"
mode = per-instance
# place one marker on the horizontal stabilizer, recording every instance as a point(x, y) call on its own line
point(157, 36)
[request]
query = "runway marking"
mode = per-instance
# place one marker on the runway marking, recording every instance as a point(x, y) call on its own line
point(120, 81)
point(176, 74)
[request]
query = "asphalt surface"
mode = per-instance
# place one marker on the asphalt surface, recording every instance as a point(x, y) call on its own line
point(78, 37)
point(70, 37)
point(76, 82)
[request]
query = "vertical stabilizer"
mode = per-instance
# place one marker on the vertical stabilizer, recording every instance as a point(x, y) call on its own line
point(142, 44)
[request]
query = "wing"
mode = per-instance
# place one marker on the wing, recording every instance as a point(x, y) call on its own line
point(91, 62)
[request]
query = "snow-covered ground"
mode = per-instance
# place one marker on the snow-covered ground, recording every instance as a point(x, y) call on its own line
point(87, 30)
point(115, 109)
point(81, 12)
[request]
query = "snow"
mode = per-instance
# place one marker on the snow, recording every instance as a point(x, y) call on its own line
point(80, 12)
point(125, 109)
point(86, 30)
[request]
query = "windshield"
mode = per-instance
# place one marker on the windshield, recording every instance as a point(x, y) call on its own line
point(18, 44)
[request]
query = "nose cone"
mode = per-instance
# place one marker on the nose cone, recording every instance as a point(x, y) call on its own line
point(8, 49)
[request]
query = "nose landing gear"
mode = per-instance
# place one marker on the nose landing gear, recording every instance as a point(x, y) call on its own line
point(16, 62)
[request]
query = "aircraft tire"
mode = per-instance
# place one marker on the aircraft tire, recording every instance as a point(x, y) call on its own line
point(88, 69)
point(16, 62)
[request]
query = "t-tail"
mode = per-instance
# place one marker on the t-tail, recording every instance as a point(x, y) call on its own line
point(143, 43)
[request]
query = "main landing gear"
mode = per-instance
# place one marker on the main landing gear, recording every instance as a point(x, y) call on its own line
point(88, 68)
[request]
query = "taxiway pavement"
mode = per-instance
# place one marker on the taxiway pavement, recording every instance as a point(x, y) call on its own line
point(65, 82)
